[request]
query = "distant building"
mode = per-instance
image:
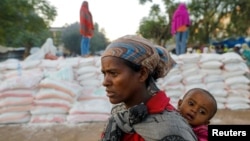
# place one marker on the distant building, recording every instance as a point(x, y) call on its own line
point(57, 35)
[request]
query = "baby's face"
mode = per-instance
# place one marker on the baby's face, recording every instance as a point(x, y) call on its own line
point(197, 108)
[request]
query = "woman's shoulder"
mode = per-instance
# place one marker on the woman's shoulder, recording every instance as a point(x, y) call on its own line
point(165, 125)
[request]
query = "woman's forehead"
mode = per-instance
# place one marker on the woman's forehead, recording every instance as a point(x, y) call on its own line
point(111, 61)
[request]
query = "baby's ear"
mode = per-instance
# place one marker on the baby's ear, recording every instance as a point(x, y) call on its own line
point(179, 103)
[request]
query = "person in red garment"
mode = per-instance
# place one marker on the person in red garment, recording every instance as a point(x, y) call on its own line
point(86, 28)
point(141, 112)
point(198, 106)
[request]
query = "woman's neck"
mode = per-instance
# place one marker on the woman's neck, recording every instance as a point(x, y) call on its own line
point(143, 98)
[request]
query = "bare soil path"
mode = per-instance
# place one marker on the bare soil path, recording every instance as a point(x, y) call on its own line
point(92, 131)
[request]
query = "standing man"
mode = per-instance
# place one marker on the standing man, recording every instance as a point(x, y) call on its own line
point(180, 24)
point(86, 28)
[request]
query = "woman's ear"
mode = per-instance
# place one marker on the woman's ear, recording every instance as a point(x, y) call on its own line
point(143, 74)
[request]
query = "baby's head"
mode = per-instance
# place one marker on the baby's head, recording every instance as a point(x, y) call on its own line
point(197, 106)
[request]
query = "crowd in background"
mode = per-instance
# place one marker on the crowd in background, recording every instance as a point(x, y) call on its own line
point(242, 49)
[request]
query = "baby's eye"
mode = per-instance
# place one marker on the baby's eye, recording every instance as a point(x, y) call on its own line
point(202, 111)
point(190, 103)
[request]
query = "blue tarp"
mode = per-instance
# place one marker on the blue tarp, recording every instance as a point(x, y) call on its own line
point(231, 42)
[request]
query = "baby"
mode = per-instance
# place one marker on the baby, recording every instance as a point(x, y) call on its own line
point(198, 106)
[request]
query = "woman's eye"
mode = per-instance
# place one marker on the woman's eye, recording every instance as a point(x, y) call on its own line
point(114, 73)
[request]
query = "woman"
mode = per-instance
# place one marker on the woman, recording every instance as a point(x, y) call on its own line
point(180, 24)
point(142, 112)
point(86, 28)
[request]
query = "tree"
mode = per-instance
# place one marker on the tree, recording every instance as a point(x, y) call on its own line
point(210, 19)
point(206, 15)
point(71, 38)
point(99, 41)
point(239, 15)
point(219, 17)
point(157, 25)
point(25, 22)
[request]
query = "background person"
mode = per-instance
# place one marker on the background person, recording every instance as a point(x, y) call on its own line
point(220, 49)
point(86, 28)
point(237, 49)
point(198, 107)
point(131, 65)
point(179, 28)
point(245, 51)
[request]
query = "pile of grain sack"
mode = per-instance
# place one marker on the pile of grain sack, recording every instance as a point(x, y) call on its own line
point(69, 90)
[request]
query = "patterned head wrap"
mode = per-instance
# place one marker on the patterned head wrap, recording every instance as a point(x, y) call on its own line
point(141, 52)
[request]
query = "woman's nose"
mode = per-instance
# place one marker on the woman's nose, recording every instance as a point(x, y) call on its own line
point(106, 81)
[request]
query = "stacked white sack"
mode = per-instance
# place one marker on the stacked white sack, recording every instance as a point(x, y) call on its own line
point(64, 64)
point(17, 88)
point(214, 72)
point(191, 72)
point(89, 72)
point(92, 104)
point(211, 67)
point(237, 83)
point(2, 69)
point(172, 82)
point(91, 107)
point(78, 96)
point(57, 93)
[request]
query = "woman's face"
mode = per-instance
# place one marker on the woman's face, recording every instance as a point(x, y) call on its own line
point(121, 82)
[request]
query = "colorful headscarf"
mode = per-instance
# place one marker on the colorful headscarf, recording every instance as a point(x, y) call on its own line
point(180, 18)
point(142, 52)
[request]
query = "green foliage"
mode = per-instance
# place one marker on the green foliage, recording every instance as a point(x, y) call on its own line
point(144, 1)
point(207, 19)
point(157, 26)
point(240, 17)
point(99, 41)
point(25, 22)
point(71, 39)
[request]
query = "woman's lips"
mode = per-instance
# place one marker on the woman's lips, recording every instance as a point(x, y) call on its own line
point(110, 94)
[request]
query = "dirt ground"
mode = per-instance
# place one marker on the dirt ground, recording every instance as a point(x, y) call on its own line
point(92, 131)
